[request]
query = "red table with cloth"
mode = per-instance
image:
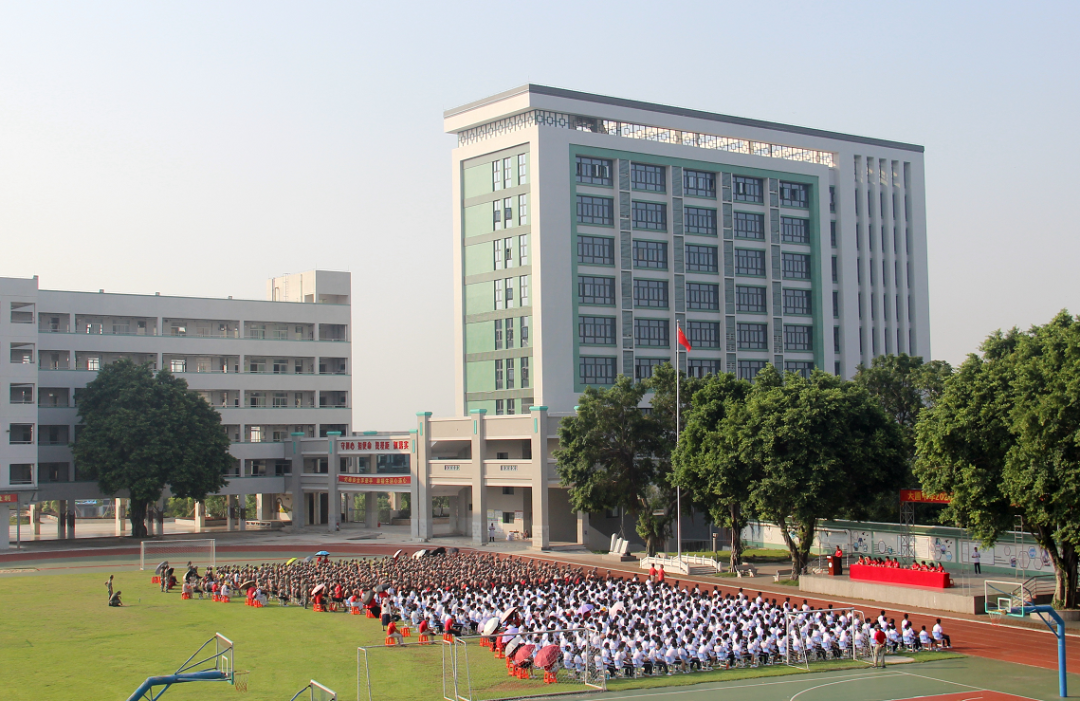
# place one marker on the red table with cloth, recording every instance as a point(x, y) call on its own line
point(898, 575)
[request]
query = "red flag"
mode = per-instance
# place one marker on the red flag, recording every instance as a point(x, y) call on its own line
point(682, 339)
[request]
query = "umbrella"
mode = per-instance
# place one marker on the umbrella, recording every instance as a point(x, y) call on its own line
point(322, 553)
point(452, 551)
point(249, 583)
point(419, 554)
point(309, 558)
point(162, 566)
point(512, 646)
point(291, 560)
point(381, 588)
point(367, 598)
point(318, 588)
point(507, 614)
point(398, 554)
point(439, 551)
point(547, 657)
point(491, 626)
point(616, 609)
point(585, 608)
point(522, 654)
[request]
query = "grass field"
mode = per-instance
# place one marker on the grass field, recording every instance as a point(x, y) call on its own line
point(59, 640)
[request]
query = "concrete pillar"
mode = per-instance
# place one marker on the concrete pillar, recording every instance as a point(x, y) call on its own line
point(5, 518)
point(333, 497)
point(541, 530)
point(35, 519)
point(582, 528)
point(118, 517)
point(200, 517)
point(61, 519)
point(241, 511)
point(464, 514)
point(230, 522)
point(160, 513)
point(151, 522)
point(371, 509)
point(263, 502)
point(420, 493)
point(299, 517)
point(479, 484)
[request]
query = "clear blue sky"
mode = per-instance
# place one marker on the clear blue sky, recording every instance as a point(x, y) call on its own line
point(198, 148)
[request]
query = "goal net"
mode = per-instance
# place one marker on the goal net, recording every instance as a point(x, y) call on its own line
point(825, 634)
point(314, 691)
point(201, 553)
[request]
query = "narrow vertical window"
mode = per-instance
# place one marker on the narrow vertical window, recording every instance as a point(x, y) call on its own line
point(523, 168)
point(496, 175)
point(523, 210)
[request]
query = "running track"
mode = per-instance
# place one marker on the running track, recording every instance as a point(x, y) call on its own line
point(1036, 648)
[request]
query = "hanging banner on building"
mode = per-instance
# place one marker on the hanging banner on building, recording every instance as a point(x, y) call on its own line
point(376, 480)
point(377, 445)
point(920, 497)
point(9, 498)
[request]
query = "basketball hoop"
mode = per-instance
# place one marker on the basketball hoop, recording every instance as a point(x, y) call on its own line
point(240, 681)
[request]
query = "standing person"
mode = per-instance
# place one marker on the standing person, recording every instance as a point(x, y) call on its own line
point(660, 575)
point(976, 558)
point(838, 559)
point(491, 532)
point(109, 585)
point(652, 572)
point(164, 567)
point(879, 647)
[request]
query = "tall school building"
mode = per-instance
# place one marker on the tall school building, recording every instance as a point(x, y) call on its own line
point(587, 227)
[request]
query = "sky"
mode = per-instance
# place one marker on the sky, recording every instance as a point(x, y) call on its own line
point(199, 148)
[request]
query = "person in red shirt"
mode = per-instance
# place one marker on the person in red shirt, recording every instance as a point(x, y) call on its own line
point(879, 646)
point(392, 632)
point(660, 575)
point(652, 573)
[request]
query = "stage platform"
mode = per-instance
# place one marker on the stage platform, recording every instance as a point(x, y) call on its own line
point(963, 598)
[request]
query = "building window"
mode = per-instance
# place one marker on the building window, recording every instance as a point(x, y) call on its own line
point(798, 338)
point(508, 174)
point(524, 373)
point(595, 250)
point(646, 177)
point(596, 371)
point(702, 295)
point(504, 253)
point(753, 336)
point(596, 290)
point(797, 302)
point(747, 189)
point(836, 339)
point(832, 206)
point(644, 367)
point(508, 517)
point(749, 225)
point(700, 221)
point(702, 259)
point(496, 174)
point(832, 233)
point(650, 215)
point(504, 293)
point(598, 211)
point(593, 171)
point(697, 183)
point(836, 305)
point(794, 195)
point(796, 266)
point(523, 169)
point(703, 334)
point(749, 262)
point(749, 369)
point(652, 332)
point(510, 332)
point(21, 434)
point(835, 276)
point(523, 249)
point(21, 473)
point(502, 214)
point(523, 326)
point(523, 291)
point(650, 254)
point(803, 368)
point(523, 210)
point(498, 374)
point(701, 368)
point(500, 407)
point(498, 334)
point(509, 373)
point(794, 230)
point(93, 363)
point(596, 330)
point(651, 293)
point(750, 299)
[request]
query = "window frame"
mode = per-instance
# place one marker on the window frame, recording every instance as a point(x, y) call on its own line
point(609, 283)
point(797, 292)
point(792, 333)
point(654, 180)
point(701, 293)
point(788, 226)
point(594, 180)
point(649, 285)
point(694, 191)
point(650, 332)
point(756, 217)
point(704, 218)
point(747, 194)
point(610, 241)
point(586, 361)
point(696, 266)
point(742, 292)
point(743, 331)
point(792, 188)
point(703, 334)
point(649, 245)
point(742, 253)
point(654, 215)
point(585, 321)
point(788, 266)
point(602, 210)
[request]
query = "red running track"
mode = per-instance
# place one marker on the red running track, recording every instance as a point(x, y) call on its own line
point(1006, 643)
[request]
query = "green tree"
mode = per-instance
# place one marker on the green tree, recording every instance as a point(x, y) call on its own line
point(904, 385)
point(814, 450)
point(607, 455)
point(143, 432)
point(706, 463)
point(1005, 440)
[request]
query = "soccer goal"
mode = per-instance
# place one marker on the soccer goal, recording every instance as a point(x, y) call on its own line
point(201, 553)
point(804, 644)
point(314, 691)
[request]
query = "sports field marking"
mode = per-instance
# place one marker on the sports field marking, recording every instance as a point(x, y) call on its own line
point(985, 695)
point(708, 686)
point(842, 681)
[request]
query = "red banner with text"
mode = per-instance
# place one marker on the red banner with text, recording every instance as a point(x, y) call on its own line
point(920, 497)
point(375, 480)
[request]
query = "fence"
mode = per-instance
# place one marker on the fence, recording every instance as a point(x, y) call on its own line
point(804, 652)
point(201, 553)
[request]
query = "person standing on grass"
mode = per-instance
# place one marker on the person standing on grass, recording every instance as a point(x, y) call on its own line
point(879, 647)
point(976, 558)
point(109, 585)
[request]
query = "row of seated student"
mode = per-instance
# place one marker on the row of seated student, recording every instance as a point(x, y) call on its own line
point(892, 563)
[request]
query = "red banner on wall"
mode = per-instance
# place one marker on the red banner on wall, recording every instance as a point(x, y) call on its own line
point(375, 480)
point(920, 497)
point(9, 498)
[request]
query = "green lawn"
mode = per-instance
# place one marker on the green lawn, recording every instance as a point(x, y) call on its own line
point(60, 641)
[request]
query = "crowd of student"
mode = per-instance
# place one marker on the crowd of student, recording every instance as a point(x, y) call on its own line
point(893, 563)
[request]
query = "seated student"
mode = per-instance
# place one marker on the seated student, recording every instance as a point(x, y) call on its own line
point(354, 599)
point(940, 637)
point(910, 640)
point(392, 632)
point(925, 641)
point(114, 600)
point(940, 568)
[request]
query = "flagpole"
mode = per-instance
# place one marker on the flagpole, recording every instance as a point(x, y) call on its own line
point(678, 408)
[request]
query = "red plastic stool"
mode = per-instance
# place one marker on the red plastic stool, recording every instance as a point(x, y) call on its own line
point(405, 632)
point(318, 608)
point(448, 637)
point(390, 640)
point(223, 599)
point(424, 639)
point(258, 604)
point(355, 611)
point(370, 613)
point(485, 642)
point(155, 580)
point(549, 677)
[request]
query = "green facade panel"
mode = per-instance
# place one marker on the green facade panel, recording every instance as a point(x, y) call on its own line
point(478, 220)
point(479, 298)
point(477, 181)
point(487, 404)
point(479, 258)
point(480, 337)
point(480, 376)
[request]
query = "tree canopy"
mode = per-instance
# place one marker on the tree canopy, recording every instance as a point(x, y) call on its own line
point(143, 432)
point(1004, 439)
